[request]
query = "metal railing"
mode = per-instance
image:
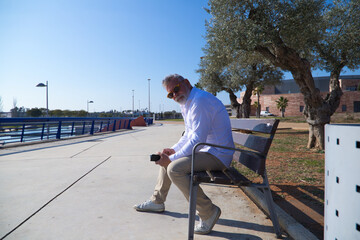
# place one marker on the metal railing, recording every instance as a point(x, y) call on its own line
point(14, 130)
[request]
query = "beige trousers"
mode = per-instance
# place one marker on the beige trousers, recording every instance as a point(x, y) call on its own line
point(178, 172)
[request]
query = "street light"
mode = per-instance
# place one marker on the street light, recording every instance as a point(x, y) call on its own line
point(149, 96)
point(133, 103)
point(87, 109)
point(47, 103)
point(47, 99)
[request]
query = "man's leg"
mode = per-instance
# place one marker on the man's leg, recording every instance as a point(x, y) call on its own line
point(179, 173)
point(156, 202)
point(162, 187)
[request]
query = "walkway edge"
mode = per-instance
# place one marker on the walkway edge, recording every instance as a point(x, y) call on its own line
point(288, 223)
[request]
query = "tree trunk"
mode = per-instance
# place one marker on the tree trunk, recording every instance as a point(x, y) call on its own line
point(258, 109)
point(318, 117)
point(234, 103)
point(246, 103)
point(317, 110)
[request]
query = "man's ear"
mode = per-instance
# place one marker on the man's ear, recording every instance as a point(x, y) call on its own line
point(188, 83)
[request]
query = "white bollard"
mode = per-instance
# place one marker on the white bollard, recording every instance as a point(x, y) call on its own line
point(342, 181)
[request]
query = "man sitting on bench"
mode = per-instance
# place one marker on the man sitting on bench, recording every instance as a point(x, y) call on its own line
point(206, 120)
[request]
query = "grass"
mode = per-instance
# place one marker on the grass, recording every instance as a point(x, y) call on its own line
point(173, 120)
point(289, 161)
point(335, 118)
point(289, 156)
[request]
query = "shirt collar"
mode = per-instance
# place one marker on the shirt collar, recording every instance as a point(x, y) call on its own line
point(191, 96)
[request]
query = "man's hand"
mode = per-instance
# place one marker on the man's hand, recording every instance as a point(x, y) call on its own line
point(168, 151)
point(164, 160)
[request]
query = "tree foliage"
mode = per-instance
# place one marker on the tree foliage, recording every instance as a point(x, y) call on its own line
point(289, 35)
point(223, 70)
point(282, 104)
point(34, 112)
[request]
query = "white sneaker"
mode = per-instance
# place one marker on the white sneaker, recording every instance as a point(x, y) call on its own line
point(149, 206)
point(205, 227)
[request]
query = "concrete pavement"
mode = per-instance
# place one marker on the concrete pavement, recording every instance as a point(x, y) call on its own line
point(85, 188)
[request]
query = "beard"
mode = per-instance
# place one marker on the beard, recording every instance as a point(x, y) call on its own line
point(181, 99)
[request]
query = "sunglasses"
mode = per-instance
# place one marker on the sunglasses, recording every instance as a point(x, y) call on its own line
point(175, 90)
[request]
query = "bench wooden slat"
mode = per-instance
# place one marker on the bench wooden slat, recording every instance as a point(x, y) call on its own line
point(202, 177)
point(256, 143)
point(237, 178)
point(229, 176)
point(257, 125)
point(252, 161)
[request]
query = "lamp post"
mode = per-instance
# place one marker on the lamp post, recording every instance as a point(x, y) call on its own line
point(87, 109)
point(47, 103)
point(149, 96)
point(133, 103)
point(47, 98)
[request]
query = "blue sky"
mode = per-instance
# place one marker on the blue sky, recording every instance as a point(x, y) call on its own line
point(99, 51)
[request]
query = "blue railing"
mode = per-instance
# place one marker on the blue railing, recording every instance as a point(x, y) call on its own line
point(14, 130)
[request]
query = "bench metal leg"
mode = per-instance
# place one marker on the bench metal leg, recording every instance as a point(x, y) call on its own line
point(192, 209)
point(273, 215)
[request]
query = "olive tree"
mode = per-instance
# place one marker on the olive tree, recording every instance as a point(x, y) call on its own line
point(286, 34)
point(231, 71)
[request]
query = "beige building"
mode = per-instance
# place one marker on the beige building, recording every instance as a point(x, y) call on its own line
point(350, 100)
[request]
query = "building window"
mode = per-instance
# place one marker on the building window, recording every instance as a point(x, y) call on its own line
point(356, 106)
point(351, 88)
point(267, 109)
point(343, 108)
point(301, 108)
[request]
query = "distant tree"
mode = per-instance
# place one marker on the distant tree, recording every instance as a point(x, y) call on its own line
point(67, 113)
point(56, 113)
point(256, 105)
point(282, 104)
point(15, 110)
point(81, 113)
point(34, 112)
point(105, 114)
point(18, 112)
point(257, 91)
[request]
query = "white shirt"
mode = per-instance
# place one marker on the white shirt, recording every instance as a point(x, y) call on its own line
point(206, 120)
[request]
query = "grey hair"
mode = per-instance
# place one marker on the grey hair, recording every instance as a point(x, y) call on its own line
point(172, 77)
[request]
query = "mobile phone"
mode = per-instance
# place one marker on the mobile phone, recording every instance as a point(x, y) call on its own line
point(154, 157)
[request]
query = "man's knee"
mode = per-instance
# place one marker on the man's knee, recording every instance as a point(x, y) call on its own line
point(171, 170)
point(176, 169)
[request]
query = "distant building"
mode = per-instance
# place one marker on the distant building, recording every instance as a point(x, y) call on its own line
point(5, 114)
point(349, 103)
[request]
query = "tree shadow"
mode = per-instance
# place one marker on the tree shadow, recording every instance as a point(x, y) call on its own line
point(307, 199)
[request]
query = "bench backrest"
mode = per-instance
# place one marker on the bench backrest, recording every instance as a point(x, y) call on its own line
point(254, 135)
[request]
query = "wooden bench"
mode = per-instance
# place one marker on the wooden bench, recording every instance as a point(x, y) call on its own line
point(252, 138)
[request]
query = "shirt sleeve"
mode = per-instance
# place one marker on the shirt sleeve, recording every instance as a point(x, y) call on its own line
point(180, 143)
point(198, 132)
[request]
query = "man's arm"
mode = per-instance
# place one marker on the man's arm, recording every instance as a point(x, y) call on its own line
point(200, 127)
